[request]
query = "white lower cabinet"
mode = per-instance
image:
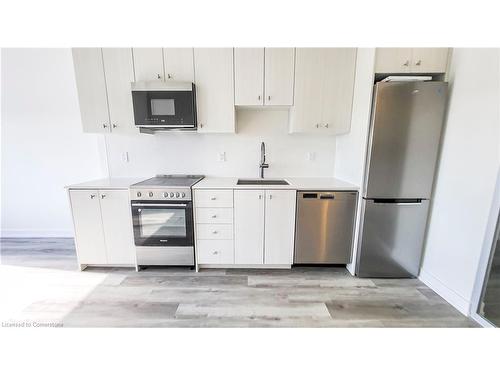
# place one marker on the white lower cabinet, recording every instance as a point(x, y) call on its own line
point(249, 226)
point(103, 227)
point(264, 226)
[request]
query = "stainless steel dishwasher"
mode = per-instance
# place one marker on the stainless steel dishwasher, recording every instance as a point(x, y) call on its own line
point(324, 227)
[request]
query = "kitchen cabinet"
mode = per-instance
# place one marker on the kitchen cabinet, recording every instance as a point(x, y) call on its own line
point(148, 64)
point(91, 87)
point(178, 64)
point(249, 76)
point(324, 87)
point(279, 226)
point(103, 78)
point(264, 76)
point(103, 227)
point(119, 73)
point(411, 60)
point(214, 80)
point(264, 227)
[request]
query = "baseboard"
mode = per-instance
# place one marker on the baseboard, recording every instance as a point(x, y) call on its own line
point(19, 233)
point(454, 299)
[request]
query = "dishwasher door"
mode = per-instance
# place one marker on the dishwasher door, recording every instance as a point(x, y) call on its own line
point(324, 227)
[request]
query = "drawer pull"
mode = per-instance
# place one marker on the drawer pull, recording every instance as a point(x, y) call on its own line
point(215, 252)
point(213, 198)
point(214, 216)
point(214, 232)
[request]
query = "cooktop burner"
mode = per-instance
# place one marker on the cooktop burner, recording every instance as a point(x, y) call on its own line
point(170, 180)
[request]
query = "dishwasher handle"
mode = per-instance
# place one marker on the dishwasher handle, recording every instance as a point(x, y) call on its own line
point(318, 196)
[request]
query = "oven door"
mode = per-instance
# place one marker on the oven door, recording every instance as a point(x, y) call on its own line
point(158, 223)
point(164, 109)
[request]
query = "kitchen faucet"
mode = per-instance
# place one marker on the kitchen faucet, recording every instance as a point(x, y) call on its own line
point(263, 163)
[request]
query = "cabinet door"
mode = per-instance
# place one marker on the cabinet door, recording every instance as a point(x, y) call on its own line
point(117, 225)
point(279, 226)
point(91, 86)
point(179, 64)
point(338, 90)
point(119, 70)
point(249, 76)
point(279, 76)
point(148, 64)
point(429, 60)
point(393, 60)
point(214, 89)
point(305, 115)
point(249, 226)
point(89, 235)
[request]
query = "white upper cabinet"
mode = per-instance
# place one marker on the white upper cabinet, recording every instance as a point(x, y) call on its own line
point(119, 73)
point(148, 64)
point(214, 90)
point(429, 60)
point(91, 86)
point(411, 60)
point(280, 226)
point(263, 76)
point(324, 86)
point(279, 76)
point(179, 64)
point(249, 76)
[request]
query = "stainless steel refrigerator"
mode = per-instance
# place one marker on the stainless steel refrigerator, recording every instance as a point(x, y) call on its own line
point(407, 119)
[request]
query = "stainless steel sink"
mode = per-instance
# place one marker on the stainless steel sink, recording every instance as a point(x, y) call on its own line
point(262, 182)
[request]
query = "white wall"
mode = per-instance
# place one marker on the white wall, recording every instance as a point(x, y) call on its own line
point(287, 155)
point(43, 147)
point(470, 159)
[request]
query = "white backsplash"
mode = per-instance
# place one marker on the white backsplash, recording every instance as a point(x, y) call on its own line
point(174, 152)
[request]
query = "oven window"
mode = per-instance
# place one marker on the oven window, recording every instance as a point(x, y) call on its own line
point(163, 107)
point(168, 222)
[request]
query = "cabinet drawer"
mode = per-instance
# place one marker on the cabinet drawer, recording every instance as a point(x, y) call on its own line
point(214, 198)
point(214, 231)
point(215, 251)
point(214, 215)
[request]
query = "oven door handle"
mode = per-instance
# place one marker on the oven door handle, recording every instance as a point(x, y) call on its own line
point(158, 205)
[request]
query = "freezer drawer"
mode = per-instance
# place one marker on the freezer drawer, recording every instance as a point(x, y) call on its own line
point(407, 119)
point(324, 227)
point(392, 238)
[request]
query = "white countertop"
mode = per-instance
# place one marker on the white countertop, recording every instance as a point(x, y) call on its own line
point(108, 183)
point(295, 183)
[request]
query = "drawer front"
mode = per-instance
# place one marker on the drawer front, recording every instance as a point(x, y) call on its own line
point(215, 251)
point(214, 215)
point(214, 232)
point(213, 198)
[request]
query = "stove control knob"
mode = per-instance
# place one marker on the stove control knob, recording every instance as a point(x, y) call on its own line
point(183, 195)
point(165, 195)
point(151, 194)
point(171, 195)
point(177, 195)
point(138, 194)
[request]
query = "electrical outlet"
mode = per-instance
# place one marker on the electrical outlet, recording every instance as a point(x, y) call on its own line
point(222, 156)
point(311, 156)
point(125, 157)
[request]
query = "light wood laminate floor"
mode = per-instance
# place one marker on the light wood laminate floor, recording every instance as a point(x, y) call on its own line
point(41, 285)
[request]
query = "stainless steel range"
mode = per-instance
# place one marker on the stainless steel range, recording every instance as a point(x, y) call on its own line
point(162, 215)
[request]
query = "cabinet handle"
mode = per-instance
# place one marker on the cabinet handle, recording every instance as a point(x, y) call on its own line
point(418, 63)
point(92, 196)
point(213, 198)
point(260, 196)
point(201, 125)
point(317, 126)
point(214, 232)
point(406, 63)
point(258, 97)
point(158, 76)
point(215, 252)
point(326, 125)
point(104, 126)
point(214, 216)
point(115, 126)
point(103, 196)
point(169, 76)
point(270, 196)
point(269, 98)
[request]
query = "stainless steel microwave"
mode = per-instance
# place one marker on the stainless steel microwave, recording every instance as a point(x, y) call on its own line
point(164, 105)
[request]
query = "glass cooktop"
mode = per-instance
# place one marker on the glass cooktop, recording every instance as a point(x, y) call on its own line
point(167, 180)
